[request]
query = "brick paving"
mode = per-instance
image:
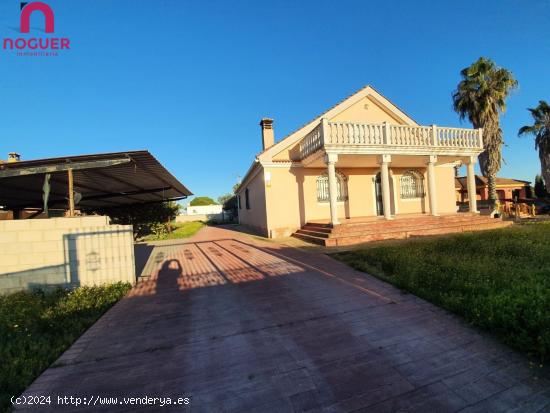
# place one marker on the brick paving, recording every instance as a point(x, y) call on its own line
point(240, 325)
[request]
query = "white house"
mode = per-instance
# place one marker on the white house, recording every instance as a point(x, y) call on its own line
point(202, 209)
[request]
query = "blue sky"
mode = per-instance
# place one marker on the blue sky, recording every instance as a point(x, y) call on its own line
point(189, 81)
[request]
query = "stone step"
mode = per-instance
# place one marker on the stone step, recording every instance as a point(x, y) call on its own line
point(318, 225)
point(396, 224)
point(402, 234)
point(310, 238)
point(407, 228)
point(306, 231)
point(382, 221)
point(317, 229)
point(378, 233)
point(386, 226)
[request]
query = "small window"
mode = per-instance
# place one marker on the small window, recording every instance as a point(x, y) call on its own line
point(412, 185)
point(240, 203)
point(247, 198)
point(322, 187)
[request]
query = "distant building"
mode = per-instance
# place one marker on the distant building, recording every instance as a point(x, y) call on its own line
point(205, 213)
point(202, 209)
point(506, 188)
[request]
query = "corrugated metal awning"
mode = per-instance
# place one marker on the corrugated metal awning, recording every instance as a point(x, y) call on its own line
point(102, 180)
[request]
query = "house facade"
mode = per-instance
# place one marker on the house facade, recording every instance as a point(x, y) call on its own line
point(364, 157)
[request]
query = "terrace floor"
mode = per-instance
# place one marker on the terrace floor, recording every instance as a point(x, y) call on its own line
point(240, 325)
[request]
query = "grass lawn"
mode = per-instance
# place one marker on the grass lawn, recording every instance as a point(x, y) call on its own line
point(36, 327)
point(179, 230)
point(497, 280)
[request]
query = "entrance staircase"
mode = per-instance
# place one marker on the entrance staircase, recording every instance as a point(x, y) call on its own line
point(356, 231)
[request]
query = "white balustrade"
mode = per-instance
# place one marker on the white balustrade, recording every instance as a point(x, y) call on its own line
point(358, 134)
point(404, 135)
point(459, 138)
point(312, 142)
point(354, 133)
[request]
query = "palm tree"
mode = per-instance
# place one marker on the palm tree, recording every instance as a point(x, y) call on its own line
point(481, 96)
point(541, 129)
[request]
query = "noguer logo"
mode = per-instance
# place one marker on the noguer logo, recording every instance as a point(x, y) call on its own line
point(36, 46)
point(26, 11)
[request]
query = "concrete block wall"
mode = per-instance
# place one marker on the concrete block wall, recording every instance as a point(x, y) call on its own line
point(69, 252)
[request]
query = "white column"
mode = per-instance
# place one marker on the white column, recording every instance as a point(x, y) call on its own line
point(471, 177)
point(432, 192)
point(331, 160)
point(385, 178)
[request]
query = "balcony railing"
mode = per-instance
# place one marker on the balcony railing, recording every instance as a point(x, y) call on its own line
point(369, 135)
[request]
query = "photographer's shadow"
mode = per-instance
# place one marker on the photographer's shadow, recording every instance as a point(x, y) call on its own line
point(168, 276)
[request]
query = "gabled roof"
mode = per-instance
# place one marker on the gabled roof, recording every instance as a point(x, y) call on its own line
point(299, 133)
point(461, 182)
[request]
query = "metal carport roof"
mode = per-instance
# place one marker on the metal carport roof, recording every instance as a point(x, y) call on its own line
point(103, 180)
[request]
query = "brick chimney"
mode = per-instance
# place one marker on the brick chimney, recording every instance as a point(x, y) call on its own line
point(268, 136)
point(13, 157)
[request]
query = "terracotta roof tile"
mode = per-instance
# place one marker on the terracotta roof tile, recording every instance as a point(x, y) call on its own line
point(461, 183)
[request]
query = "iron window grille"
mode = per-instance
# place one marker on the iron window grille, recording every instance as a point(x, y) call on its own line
point(412, 185)
point(322, 187)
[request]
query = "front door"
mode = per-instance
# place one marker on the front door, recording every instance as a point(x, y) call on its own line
point(378, 195)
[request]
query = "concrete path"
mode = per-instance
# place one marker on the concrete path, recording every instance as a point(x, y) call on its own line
point(238, 325)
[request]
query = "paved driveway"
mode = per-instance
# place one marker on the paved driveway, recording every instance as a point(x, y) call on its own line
point(237, 325)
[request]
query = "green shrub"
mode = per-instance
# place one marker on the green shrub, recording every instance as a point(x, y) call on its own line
point(145, 218)
point(497, 280)
point(36, 327)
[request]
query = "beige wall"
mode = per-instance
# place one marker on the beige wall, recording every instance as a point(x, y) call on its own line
point(291, 196)
point(444, 181)
point(367, 110)
point(255, 217)
point(64, 252)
